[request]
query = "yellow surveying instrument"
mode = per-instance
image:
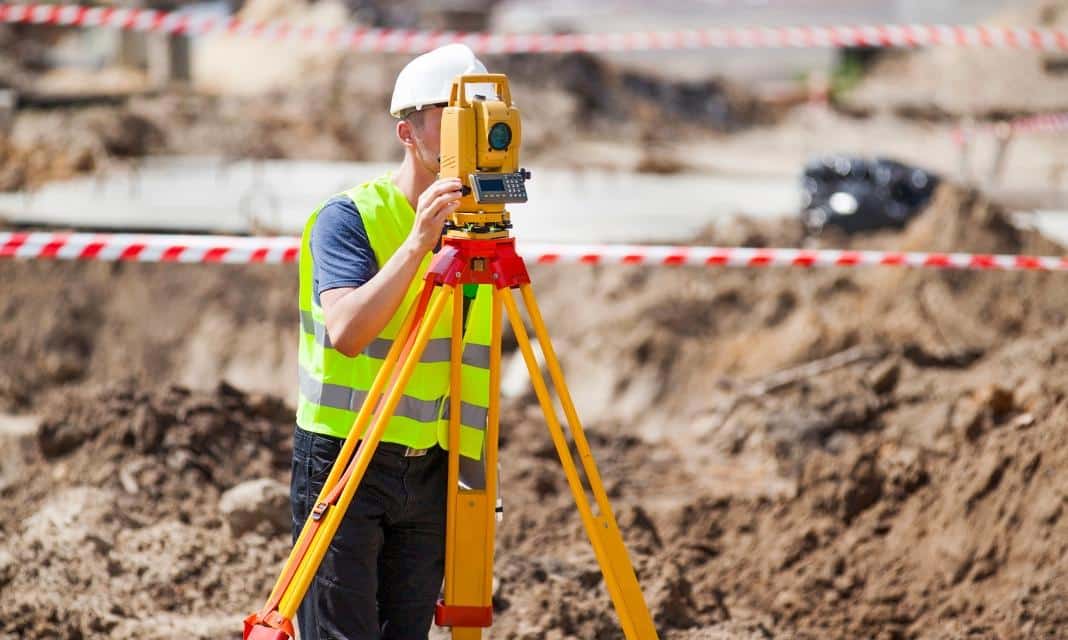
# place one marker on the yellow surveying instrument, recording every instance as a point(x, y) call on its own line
point(480, 140)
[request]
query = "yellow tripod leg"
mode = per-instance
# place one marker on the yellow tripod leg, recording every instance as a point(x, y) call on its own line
point(602, 529)
point(471, 521)
point(332, 518)
point(358, 427)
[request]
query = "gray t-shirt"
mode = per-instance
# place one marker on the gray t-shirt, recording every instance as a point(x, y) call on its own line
point(341, 252)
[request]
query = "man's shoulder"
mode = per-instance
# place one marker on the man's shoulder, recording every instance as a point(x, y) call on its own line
point(339, 222)
point(340, 204)
point(339, 213)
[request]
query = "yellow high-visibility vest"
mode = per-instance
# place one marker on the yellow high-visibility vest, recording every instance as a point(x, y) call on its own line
point(333, 385)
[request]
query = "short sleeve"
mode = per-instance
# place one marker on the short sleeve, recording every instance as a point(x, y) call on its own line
point(341, 251)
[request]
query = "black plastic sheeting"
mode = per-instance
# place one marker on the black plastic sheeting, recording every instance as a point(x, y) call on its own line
point(858, 194)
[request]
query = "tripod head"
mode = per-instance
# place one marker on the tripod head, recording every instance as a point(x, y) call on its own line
point(480, 139)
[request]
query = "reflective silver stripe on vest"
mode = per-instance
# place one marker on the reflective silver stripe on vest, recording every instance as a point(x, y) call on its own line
point(341, 397)
point(437, 349)
point(310, 326)
point(477, 355)
point(471, 415)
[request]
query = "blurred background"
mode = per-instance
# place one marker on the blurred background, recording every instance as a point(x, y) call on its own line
point(840, 453)
point(231, 133)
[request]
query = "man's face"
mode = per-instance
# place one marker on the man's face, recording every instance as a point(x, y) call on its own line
point(426, 135)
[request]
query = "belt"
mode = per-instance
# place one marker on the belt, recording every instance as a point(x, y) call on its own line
point(407, 452)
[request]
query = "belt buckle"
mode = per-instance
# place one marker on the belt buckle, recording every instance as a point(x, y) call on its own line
point(414, 453)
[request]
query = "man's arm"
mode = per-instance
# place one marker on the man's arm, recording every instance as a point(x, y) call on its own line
point(356, 315)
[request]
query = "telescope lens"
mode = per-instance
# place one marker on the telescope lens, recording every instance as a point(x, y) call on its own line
point(500, 136)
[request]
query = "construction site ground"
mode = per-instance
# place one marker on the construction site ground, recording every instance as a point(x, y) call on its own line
point(791, 453)
point(908, 481)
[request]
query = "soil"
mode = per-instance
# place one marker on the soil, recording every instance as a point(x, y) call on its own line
point(113, 524)
point(951, 82)
point(798, 454)
point(338, 113)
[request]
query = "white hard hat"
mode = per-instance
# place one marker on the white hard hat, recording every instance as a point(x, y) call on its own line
point(427, 80)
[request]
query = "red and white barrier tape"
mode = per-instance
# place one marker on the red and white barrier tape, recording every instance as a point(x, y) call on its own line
point(412, 41)
point(1042, 123)
point(148, 248)
point(241, 250)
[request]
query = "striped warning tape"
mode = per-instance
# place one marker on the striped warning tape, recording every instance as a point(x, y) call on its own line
point(242, 250)
point(413, 41)
point(1042, 123)
point(148, 248)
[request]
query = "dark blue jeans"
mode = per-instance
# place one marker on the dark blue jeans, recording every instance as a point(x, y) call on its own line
point(382, 573)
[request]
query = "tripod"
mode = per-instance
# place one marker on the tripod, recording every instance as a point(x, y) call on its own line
point(471, 512)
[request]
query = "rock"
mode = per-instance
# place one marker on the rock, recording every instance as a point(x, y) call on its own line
point(641, 532)
point(969, 419)
point(988, 474)
point(57, 438)
point(862, 489)
point(884, 376)
point(7, 567)
point(844, 496)
point(796, 549)
point(1048, 508)
point(671, 598)
point(998, 400)
point(905, 472)
point(256, 505)
point(1023, 421)
point(788, 603)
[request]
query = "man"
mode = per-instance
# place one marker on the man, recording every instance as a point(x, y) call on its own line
point(363, 258)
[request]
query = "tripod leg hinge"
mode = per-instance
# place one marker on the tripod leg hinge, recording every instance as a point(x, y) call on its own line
point(456, 616)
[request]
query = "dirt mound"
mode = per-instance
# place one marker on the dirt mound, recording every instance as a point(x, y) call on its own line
point(161, 324)
point(118, 518)
point(939, 515)
point(979, 82)
point(904, 536)
point(654, 348)
point(251, 100)
point(827, 453)
point(608, 95)
point(338, 112)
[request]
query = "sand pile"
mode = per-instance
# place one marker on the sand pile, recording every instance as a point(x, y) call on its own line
point(830, 453)
point(979, 82)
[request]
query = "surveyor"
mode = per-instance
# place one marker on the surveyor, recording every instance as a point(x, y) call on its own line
point(363, 258)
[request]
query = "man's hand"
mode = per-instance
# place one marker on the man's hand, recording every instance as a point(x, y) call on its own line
point(435, 204)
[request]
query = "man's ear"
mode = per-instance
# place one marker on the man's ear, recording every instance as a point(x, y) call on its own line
point(405, 133)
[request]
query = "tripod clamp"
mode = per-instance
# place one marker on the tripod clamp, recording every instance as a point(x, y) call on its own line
point(472, 261)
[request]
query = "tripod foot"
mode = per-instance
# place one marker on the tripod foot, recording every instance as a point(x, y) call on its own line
point(260, 632)
point(257, 628)
point(454, 616)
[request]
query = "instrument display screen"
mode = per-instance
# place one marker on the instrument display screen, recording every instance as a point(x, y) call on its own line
point(493, 188)
point(492, 184)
